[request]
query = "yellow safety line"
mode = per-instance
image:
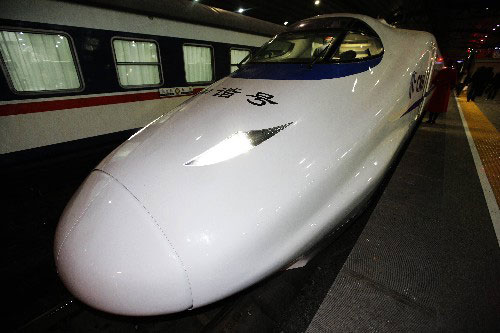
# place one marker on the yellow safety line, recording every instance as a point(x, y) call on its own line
point(487, 142)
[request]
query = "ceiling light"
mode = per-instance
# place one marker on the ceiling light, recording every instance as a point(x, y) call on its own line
point(485, 36)
point(317, 2)
point(285, 23)
point(241, 10)
point(482, 40)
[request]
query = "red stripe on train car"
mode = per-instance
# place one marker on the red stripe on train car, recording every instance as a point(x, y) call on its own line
point(75, 103)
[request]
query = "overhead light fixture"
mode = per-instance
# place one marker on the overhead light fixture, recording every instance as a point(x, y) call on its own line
point(482, 40)
point(241, 10)
point(285, 23)
point(494, 29)
point(317, 2)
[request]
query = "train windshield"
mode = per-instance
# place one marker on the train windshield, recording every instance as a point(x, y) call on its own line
point(323, 40)
point(295, 47)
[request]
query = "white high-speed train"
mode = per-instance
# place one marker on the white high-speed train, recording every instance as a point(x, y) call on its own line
point(247, 176)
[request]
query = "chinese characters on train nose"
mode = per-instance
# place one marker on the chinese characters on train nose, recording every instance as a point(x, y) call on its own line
point(258, 99)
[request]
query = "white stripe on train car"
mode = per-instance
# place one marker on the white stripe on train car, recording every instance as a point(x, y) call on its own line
point(79, 15)
point(31, 130)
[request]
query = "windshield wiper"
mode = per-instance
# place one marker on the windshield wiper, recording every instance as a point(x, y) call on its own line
point(242, 61)
point(317, 57)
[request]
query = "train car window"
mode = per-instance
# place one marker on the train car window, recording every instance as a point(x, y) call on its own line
point(237, 55)
point(198, 63)
point(37, 62)
point(358, 46)
point(137, 62)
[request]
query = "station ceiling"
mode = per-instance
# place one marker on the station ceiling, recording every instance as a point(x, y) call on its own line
point(457, 25)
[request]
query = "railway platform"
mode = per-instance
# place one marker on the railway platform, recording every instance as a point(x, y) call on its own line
point(428, 258)
point(424, 256)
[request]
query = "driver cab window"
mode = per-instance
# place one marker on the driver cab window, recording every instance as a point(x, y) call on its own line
point(329, 40)
point(295, 47)
point(358, 46)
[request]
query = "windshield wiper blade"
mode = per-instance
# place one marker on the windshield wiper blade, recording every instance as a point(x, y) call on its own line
point(315, 60)
point(242, 61)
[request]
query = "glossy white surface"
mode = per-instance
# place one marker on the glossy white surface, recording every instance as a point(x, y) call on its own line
point(233, 223)
point(114, 256)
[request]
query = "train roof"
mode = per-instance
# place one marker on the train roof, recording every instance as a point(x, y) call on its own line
point(188, 11)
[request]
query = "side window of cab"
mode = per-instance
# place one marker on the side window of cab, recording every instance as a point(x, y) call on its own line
point(356, 46)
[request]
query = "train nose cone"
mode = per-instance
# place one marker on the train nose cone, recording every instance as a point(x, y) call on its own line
point(112, 255)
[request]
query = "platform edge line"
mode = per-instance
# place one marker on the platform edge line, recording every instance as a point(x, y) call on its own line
point(491, 202)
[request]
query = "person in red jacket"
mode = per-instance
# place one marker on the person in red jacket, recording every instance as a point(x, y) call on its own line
point(444, 81)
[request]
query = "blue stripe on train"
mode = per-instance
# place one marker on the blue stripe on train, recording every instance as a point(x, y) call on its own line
point(417, 103)
point(274, 71)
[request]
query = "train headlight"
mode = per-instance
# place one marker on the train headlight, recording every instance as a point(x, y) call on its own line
point(235, 145)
